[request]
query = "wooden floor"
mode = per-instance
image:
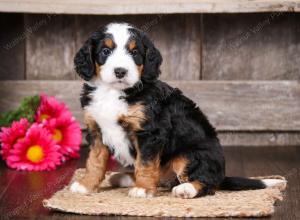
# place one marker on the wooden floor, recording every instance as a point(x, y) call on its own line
point(21, 193)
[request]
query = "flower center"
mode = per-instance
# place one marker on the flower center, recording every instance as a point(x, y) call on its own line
point(35, 153)
point(57, 136)
point(44, 116)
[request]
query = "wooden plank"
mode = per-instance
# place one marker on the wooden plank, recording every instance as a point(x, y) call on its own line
point(230, 105)
point(256, 46)
point(178, 38)
point(146, 7)
point(259, 139)
point(247, 105)
point(50, 47)
point(6, 178)
point(251, 139)
point(66, 91)
point(12, 42)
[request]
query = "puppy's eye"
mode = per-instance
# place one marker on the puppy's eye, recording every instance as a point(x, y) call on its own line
point(105, 52)
point(134, 52)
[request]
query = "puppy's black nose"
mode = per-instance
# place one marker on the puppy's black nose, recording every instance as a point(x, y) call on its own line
point(120, 72)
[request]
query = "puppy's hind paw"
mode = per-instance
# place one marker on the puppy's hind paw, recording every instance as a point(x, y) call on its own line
point(121, 180)
point(184, 190)
point(76, 187)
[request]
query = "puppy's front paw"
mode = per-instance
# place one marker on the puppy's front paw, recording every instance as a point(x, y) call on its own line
point(139, 192)
point(76, 187)
point(184, 190)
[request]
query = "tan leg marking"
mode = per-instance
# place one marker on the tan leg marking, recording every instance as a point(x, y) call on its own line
point(96, 164)
point(146, 175)
point(197, 185)
point(89, 121)
point(179, 167)
point(186, 189)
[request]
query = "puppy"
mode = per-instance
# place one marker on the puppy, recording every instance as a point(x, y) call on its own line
point(145, 123)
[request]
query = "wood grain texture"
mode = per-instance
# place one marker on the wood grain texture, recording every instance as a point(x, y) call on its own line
point(251, 139)
point(259, 139)
point(66, 91)
point(50, 47)
point(247, 105)
point(12, 47)
point(251, 47)
point(230, 105)
point(146, 7)
point(32, 187)
point(178, 38)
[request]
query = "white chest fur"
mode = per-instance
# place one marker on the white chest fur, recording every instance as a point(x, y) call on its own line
point(106, 107)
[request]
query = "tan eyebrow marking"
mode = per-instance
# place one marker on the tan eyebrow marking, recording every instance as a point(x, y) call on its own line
point(109, 43)
point(132, 45)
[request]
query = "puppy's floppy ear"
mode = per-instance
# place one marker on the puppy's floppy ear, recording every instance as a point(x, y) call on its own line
point(152, 60)
point(84, 61)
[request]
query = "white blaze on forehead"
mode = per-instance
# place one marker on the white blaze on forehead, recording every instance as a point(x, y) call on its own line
point(120, 57)
point(119, 32)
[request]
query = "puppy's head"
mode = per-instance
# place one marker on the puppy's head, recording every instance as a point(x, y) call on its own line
point(118, 55)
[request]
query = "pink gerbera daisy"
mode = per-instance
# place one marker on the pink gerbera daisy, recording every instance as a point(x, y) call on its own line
point(35, 152)
point(66, 133)
point(9, 136)
point(51, 108)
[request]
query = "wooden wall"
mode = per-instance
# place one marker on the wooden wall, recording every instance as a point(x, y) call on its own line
point(194, 46)
point(210, 50)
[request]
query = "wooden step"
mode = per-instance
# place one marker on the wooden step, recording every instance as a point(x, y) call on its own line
point(230, 105)
point(116, 7)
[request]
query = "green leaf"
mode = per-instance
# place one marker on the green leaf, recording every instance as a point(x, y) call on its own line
point(27, 109)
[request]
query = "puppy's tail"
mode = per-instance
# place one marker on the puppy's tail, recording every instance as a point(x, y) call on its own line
point(241, 183)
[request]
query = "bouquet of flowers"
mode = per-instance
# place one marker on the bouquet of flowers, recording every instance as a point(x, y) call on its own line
point(40, 135)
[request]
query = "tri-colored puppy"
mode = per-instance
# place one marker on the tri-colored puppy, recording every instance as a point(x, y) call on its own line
point(145, 123)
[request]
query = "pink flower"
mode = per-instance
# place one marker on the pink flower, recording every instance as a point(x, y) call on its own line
point(35, 152)
point(54, 137)
point(9, 136)
point(65, 130)
point(51, 108)
point(66, 133)
point(57, 118)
